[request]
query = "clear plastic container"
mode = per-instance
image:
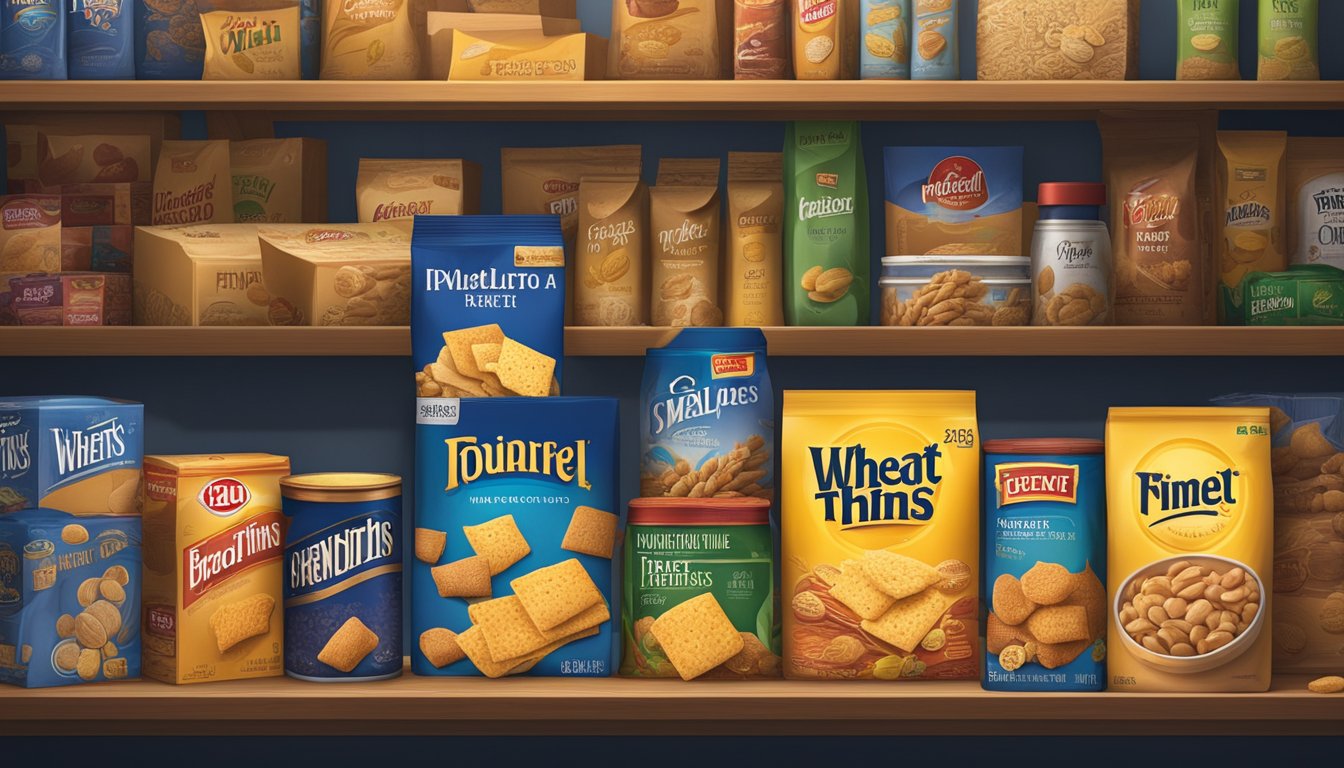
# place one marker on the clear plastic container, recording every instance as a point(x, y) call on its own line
point(926, 266)
point(955, 298)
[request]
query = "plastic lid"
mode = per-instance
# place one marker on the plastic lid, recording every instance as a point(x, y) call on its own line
point(683, 511)
point(1071, 193)
point(925, 281)
point(1042, 445)
point(345, 481)
point(958, 259)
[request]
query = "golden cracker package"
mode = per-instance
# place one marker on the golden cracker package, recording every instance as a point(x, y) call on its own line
point(1190, 520)
point(880, 517)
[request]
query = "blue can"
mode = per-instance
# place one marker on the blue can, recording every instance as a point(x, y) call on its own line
point(1045, 565)
point(342, 576)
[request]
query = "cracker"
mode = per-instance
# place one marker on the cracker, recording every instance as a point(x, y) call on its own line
point(107, 614)
point(999, 635)
point(74, 534)
point(524, 370)
point(591, 532)
point(1009, 603)
point(445, 372)
point(499, 541)
point(858, 594)
point(586, 619)
point(114, 669)
point(468, 577)
point(697, 636)
point(440, 647)
point(460, 342)
point(238, 620)
point(908, 620)
point(1058, 624)
point(1047, 583)
point(556, 593)
point(429, 545)
point(1052, 655)
point(67, 656)
point(506, 628)
point(473, 645)
point(351, 643)
point(485, 355)
point(897, 575)
point(1090, 593)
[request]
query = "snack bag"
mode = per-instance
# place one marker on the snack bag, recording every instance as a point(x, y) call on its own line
point(251, 45)
point(880, 518)
point(32, 40)
point(101, 39)
point(193, 183)
point(1189, 550)
point(1251, 212)
point(885, 53)
point(684, 222)
point(1289, 40)
point(1206, 40)
point(487, 315)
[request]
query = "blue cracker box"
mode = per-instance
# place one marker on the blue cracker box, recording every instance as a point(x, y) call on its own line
point(69, 598)
point(101, 40)
point(1045, 549)
point(488, 308)
point(81, 455)
point(32, 40)
point(169, 40)
point(479, 460)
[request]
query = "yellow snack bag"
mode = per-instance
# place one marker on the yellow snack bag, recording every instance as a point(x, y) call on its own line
point(1190, 519)
point(880, 523)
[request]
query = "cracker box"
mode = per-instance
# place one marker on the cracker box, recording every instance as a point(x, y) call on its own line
point(880, 518)
point(199, 274)
point(514, 537)
point(69, 598)
point(1190, 548)
point(213, 556)
point(80, 455)
point(337, 274)
point(71, 298)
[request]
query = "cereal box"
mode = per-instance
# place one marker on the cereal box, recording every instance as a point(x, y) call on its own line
point(32, 40)
point(954, 200)
point(880, 518)
point(79, 455)
point(69, 598)
point(200, 274)
point(337, 274)
point(102, 39)
point(213, 551)
point(1190, 521)
point(515, 532)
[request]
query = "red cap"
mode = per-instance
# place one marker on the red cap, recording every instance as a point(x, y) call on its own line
point(1071, 193)
point(1043, 445)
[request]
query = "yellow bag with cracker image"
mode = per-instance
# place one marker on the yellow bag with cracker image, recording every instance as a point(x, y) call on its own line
point(1190, 523)
point(880, 515)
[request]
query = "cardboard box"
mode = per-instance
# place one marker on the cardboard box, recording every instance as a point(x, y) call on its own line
point(199, 274)
point(279, 180)
point(440, 27)
point(102, 248)
point(338, 274)
point(497, 56)
point(71, 298)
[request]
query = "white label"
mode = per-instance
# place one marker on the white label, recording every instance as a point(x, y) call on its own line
point(437, 411)
point(1320, 222)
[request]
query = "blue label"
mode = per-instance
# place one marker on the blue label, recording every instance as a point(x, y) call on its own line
point(342, 561)
point(169, 40)
point(102, 40)
point(954, 185)
point(889, 20)
point(32, 40)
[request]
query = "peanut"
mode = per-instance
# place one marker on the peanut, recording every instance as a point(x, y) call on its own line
point(1190, 610)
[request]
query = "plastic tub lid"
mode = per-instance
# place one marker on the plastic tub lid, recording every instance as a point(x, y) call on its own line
point(957, 259)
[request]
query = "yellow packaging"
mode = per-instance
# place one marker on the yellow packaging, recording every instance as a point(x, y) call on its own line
point(213, 553)
point(1251, 210)
point(198, 274)
point(1190, 550)
point(527, 56)
point(880, 523)
point(821, 40)
point(440, 26)
point(368, 40)
point(754, 294)
point(252, 45)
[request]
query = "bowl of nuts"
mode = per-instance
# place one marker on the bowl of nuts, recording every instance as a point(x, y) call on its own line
point(1190, 614)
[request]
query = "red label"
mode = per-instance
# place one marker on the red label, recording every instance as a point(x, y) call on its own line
point(224, 496)
point(228, 553)
point(732, 366)
point(829, 180)
point(1017, 483)
point(957, 184)
point(1150, 211)
point(160, 487)
point(819, 12)
point(161, 620)
point(552, 186)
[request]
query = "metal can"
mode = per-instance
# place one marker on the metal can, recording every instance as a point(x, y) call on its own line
point(343, 557)
point(1045, 565)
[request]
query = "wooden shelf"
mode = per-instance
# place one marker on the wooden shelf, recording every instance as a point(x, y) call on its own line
point(666, 100)
point(632, 342)
point(559, 706)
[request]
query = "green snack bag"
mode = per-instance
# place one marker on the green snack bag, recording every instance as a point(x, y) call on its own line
point(1288, 40)
point(1307, 294)
point(1206, 40)
point(826, 260)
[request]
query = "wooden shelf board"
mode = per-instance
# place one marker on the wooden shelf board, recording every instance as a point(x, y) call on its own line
point(632, 342)
point(667, 99)
point(535, 706)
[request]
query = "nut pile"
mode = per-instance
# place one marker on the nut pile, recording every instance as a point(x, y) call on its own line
point(732, 475)
point(1191, 610)
point(94, 631)
point(955, 298)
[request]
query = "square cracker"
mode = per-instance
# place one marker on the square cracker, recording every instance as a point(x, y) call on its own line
point(351, 643)
point(591, 532)
point(445, 372)
point(485, 355)
point(908, 620)
point(236, 621)
point(459, 345)
point(440, 647)
point(854, 589)
point(897, 575)
point(499, 541)
point(524, 370)
point(468, 577)
point(1059, 624)
point(506, 628)
point(473, 645)
point(429, 545)
point(556, 593)
point(697, 636)
point(585, 619)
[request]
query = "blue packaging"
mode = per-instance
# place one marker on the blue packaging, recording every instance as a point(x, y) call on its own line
point(496, 283)
point(69, 598)
point(310, 38)
point(343, 568)
point(102, 40)
point(77, 454)
point(888, 24)
point(935, 53)
point(1045, 537)
point(524, 463)
point(32, 40)
point(169, 40)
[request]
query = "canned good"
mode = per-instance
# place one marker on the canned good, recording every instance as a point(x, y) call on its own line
point(955, 297)
point(342, 576)
point(1071, 256)
point(1045, 565)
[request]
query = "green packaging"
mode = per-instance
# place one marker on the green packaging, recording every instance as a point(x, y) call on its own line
point(1206, 40)
point(1306, 294)
point(677, 549)
point(826, 259)
point(1289, 40)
